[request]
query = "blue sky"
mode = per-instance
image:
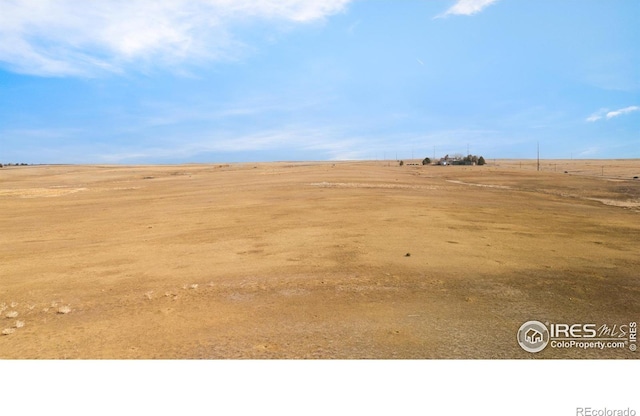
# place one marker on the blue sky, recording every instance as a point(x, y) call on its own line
point(139, 81)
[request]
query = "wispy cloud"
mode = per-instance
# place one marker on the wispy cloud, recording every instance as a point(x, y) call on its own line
point(352, 28)
point(626, 110)
point(324, 142)
point(597, 115)
point(605, 113)
point(72, 37)
point(39, 133)
point(589, 151)
point(466, 7)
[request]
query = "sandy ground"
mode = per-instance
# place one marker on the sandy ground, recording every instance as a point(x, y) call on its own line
point(314, 260)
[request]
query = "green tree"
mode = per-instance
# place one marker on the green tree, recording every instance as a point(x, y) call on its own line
point(426, 161)
point(481, 161)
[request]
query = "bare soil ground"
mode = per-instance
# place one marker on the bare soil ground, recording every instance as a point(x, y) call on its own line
point(314, 260)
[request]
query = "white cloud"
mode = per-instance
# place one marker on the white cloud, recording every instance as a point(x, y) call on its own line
point(605, 113)
point(328, 142)
point(622, 111)
point(589, 151)
point(75, 37)
point(597, 115)
point(467, 7)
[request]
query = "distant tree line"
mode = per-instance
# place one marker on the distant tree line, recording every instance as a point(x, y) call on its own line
point(456, 159)
point(473, 160)
point(13, 164)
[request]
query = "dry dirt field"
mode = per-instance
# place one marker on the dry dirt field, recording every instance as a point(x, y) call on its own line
point(314, 260)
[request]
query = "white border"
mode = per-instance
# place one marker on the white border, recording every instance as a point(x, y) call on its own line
point(317, 387)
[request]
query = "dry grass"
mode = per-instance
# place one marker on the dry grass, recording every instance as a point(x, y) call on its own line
point(309, 260)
